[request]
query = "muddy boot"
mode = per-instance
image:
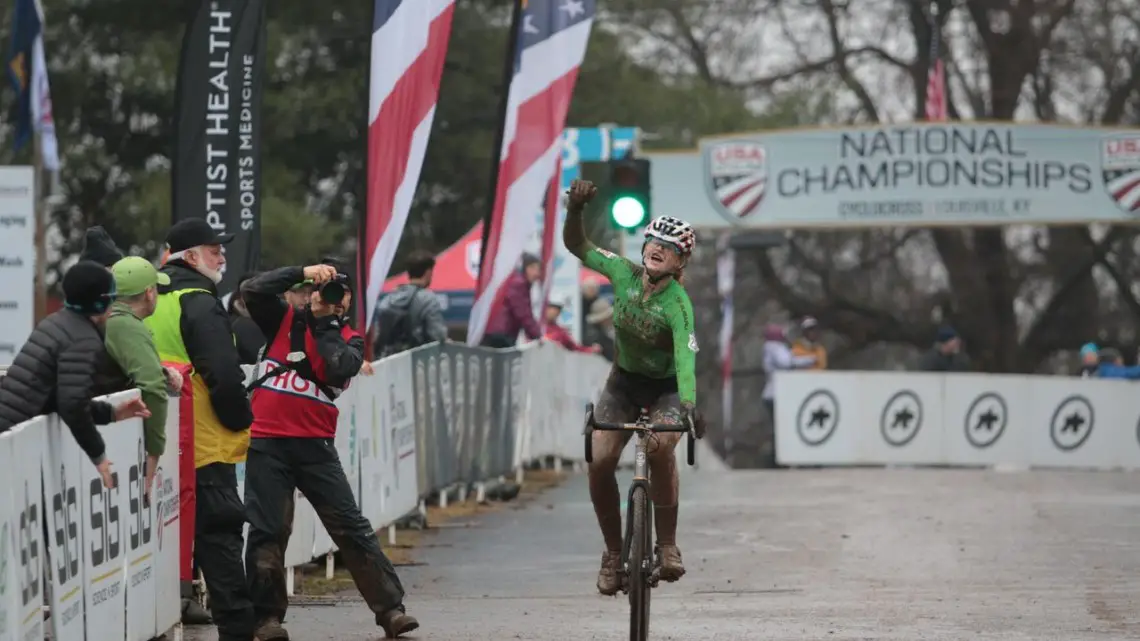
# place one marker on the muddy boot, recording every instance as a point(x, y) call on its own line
point(609, 577)
point(396, 622)
point(271, 630)
point(671, 566)
point(665, 518)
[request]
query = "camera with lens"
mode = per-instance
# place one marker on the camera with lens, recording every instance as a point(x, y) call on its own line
point(332, 291)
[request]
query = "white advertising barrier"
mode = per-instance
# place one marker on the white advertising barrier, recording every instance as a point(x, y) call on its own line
point(393, 490)
point(105, 514)
point(110, 562)
point(883, 418)
point(165, 504)
point(64, 494)
point(27, 447)
point(9, 522)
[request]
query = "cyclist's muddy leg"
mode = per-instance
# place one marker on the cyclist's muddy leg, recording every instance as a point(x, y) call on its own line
point(612, 407)
point(665, 485)
point(662, 461)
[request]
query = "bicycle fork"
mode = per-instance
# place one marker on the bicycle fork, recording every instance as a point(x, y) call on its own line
point(640, 479)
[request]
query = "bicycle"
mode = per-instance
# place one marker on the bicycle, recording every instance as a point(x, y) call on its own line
point(641, 567)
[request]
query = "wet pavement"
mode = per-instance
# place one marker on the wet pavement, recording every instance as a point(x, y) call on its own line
point(931, 555)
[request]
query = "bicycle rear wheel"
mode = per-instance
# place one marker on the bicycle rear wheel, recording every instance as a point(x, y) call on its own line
point(640, 564)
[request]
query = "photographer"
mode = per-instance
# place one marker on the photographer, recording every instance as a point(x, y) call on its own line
point(310, 358)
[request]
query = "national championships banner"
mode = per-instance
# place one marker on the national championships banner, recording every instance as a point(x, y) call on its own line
point(951, 173)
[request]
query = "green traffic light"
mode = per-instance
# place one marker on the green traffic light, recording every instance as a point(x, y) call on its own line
point(628, 212)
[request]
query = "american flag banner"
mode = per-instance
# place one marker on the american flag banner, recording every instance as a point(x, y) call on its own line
point(409, 43)
point(551, 43)
point(550, 234)
point(936, 76)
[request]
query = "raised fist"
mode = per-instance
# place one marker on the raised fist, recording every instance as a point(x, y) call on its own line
point(581, 192)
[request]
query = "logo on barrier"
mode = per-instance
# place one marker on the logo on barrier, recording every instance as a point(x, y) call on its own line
point(65, 507)
point(104, 523)
point(141, 521)
point(986, 419)
point(158, 491)
point(1072, 423)
point(901, 418)
point(817, 418)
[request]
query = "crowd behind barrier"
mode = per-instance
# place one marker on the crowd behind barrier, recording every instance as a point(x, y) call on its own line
point(428, 419)
point(971, 420)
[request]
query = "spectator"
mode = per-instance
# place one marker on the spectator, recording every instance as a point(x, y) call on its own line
point(295, 425)
point(55, 369)
point(946, 355)
point(98, 247)
point(298, 295)
point(558, 333)
point(1112, 366)
point(248, 335)
point(808, 343)
point(512, 311)
point(1090, 360)
point(192, 331)
point(410, 316)
point(600, 326)
point(134, 361)
point(778, 357)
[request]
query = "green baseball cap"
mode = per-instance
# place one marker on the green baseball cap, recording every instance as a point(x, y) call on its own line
point(135, 274)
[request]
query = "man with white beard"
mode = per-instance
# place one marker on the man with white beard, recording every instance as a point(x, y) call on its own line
point(192, 332)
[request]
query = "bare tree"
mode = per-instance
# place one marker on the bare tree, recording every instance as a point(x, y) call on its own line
point(1017, 294)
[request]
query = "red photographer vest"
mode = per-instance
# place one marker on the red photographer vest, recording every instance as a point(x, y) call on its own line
point(287, 405)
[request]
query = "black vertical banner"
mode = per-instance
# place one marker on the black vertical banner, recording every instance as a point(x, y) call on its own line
point(217, 149)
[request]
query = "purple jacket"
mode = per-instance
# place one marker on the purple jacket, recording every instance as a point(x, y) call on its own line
point(512, 310)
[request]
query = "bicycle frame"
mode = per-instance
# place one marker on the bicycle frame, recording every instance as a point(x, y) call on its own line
point(638, 581)
point(643, 430)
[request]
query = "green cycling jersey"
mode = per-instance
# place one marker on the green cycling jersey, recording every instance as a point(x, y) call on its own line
point(654, 333)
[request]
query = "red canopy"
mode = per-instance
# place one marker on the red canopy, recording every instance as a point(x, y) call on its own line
point(457, 267)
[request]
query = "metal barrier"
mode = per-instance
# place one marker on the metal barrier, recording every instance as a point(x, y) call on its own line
point(433, 418)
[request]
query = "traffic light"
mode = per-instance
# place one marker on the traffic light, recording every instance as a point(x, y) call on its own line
point(629, 193)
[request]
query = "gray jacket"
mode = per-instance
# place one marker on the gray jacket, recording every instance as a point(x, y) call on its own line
point(424, 312)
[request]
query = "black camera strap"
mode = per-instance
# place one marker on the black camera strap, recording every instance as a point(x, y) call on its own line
point(296, 360)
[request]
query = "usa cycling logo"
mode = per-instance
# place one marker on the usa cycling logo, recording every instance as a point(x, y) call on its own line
point(1120, 162)
point(736, 177)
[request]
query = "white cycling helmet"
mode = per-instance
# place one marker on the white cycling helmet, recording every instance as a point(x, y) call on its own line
point(674, 231)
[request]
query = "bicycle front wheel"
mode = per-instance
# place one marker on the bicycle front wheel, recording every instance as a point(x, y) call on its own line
point(640, 564)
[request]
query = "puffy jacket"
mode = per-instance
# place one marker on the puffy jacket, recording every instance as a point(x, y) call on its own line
point(512, 311)
point(55, 372)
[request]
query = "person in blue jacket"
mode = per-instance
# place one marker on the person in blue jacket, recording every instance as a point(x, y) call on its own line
point(1112, 366)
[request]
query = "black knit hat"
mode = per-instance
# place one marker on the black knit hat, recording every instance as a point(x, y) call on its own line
point(98, 247)
point(88, 288)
